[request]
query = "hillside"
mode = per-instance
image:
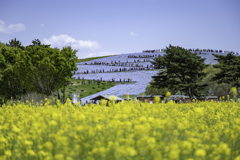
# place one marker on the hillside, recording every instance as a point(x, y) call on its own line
point(108, 68)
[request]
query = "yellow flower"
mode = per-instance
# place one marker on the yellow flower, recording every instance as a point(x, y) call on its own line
point(8, 153)
point(125, 130)
point(28, 142)
point(52, 123)
point(59, 156)
point(112, 98)
point(127, 95)
point(132, 152)
point(31, 152)
point(199, 110)
point(48, 145)
point(234, 91)
point(200, 152)
point(157, 99)
point(16, 129)
point(168, 94)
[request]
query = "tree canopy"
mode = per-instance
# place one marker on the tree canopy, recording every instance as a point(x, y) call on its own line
point(10, 85)
point(15, 43)
point(229, 66)
point(36, 68)
point(44, 69)
point(181, 70)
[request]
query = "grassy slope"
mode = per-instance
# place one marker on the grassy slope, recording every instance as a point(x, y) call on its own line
point(91, 58)
point(88, 89)
point(78, 86)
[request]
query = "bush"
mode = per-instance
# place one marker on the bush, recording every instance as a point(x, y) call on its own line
point(93, 87)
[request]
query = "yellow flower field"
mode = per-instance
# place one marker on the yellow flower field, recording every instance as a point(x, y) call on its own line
point(206, 130)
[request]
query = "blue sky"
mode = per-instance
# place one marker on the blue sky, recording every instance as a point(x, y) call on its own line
point(104, 27)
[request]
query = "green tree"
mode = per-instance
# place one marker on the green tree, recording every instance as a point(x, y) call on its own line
point(44, 69)
point(15, 43)
point(36, 42)
point(10, 85)
point(63, 90)
point(215, 88)
point(181, 70)
point(152, 90)
point(229, 66)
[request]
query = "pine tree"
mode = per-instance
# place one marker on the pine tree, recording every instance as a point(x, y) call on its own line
point(181, 70)
point(230, 69)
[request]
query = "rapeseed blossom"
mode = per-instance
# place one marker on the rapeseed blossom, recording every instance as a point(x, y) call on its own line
point(129, 130)
point(168, 94)
point(234, 91)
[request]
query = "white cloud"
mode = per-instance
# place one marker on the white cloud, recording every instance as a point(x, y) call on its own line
point(11, 28)
point(42, 25)
point(132, 34)
point(65, 40)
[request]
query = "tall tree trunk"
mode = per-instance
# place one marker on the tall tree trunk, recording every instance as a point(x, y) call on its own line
point(189, 93)
point(58, 94)
point(63, 92)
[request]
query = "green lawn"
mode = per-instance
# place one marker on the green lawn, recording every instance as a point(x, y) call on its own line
point(91, 58)
point(77, 86)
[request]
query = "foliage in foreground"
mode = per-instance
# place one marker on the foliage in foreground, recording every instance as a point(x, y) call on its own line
point(128, 130)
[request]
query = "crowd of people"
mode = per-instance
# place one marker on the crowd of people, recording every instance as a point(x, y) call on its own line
point(101, 79)
point(211, 51)
point(118, 63)
point(137, 68)
point(152, 51)
point(143, 56)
